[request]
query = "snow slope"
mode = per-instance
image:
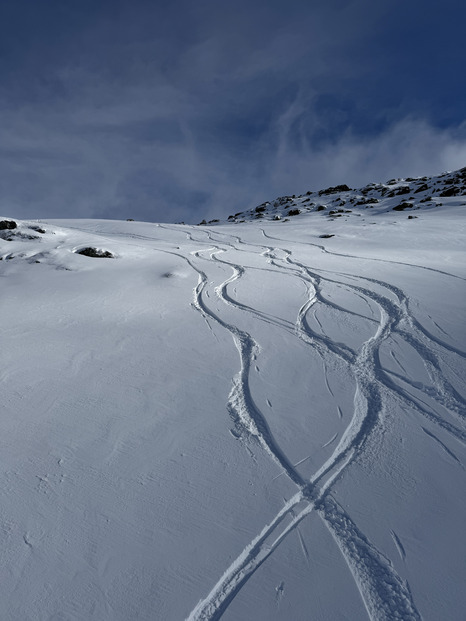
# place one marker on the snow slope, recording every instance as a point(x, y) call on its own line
point(243, 421)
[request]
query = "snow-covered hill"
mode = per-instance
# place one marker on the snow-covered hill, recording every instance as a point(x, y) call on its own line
point(251, 421)
point(339, 201)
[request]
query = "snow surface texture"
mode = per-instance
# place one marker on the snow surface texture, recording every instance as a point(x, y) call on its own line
point(250, 421)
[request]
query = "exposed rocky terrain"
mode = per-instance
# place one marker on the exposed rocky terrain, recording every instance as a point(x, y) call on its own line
point(405, 195)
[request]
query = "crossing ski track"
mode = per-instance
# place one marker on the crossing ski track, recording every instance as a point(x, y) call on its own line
point(221, 261)
point(384, 593)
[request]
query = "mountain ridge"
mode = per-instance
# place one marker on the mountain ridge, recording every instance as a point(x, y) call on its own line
point(401, 194)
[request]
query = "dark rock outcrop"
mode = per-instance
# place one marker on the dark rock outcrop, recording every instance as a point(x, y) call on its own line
point(335, 189)
point(8, 225)
point(95, 252)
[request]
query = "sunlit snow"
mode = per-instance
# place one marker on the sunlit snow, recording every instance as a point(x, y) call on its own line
point(245, 421)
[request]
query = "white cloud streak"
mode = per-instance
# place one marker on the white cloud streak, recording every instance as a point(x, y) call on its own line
point(205, 123)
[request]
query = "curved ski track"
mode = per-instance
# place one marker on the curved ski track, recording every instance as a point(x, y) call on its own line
point(385, 595)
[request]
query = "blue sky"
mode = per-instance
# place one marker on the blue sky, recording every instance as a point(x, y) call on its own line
point(176, 111)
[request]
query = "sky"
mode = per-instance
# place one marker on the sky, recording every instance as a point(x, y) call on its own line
point(180, 110)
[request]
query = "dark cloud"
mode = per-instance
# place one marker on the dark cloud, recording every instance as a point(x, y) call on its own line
point(179, 110)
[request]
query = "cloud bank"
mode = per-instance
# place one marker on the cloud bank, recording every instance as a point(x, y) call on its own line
point(177, 112)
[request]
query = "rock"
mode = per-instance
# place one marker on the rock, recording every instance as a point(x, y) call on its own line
point(366, 201)
point(403, 206)
point(8, 225)
point(405, 189)
point(335, 189)
point(451, 191)
point(95, 252)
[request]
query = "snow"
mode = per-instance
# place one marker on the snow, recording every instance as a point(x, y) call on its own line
point(239, 421)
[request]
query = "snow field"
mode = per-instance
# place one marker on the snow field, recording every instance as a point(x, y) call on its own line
point(237, 422)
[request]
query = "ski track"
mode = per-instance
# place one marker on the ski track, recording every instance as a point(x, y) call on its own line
point(385, 595)
point(444, 446)
point(399, 545)
point(332, 439)
point(353, 256)
point(304, 549)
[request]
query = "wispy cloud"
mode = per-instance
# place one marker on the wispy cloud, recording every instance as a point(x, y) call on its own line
point(181, 112)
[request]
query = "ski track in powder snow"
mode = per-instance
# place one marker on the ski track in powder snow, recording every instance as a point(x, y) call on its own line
point(213, 256)
point(385, 595)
